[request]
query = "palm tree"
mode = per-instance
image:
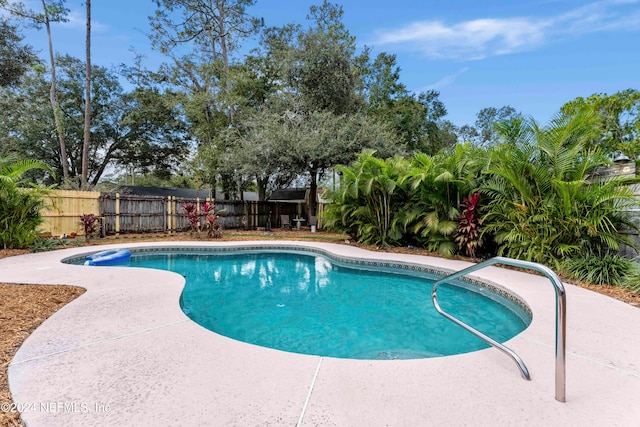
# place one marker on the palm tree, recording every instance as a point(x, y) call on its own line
point(19, 206)
point(368, 200)
point(437, 185)
point(545, 202)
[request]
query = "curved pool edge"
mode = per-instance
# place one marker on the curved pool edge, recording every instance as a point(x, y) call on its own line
point(133, 349)
point(400, 264)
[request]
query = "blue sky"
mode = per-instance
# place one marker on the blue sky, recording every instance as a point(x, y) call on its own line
point(532, 55)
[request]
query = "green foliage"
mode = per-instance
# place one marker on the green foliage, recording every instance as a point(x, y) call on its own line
point(437, 184)
point(19, 206)
point(599, 269)
point(544, 206)
point(618, 120)
point(632, 279)
point(321, 69)
point(41, 244)
point(371, 194)
point(140, 128)
point(391, 201)
point(15, 57)
point(468, 236)
point(415, 119)
point(488, 118)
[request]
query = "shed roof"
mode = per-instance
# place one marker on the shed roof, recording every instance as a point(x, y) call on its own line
point(250, 196)
point(289, 195)
point(187, 193)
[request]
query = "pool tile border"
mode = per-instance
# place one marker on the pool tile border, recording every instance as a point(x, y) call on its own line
point(483, 283)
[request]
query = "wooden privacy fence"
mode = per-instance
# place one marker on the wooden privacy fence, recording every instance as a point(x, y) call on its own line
point(63, 217)
point(122, 213)
point(126, 213)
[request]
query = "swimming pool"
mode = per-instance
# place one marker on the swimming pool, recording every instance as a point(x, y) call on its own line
point(311, 303)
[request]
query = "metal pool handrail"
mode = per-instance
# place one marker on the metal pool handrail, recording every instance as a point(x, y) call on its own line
point(561, 321)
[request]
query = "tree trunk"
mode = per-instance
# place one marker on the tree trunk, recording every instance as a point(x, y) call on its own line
point(313, 190)
point(53, 96)
point(262, 188)
point(87, 103)
point(225, 54)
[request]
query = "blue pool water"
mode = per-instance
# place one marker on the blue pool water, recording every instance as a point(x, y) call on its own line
point(308, 303)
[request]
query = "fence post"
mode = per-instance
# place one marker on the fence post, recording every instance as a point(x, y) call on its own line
point(165, 215)
point(117, 214)
point(245, 214)
point(170, 213)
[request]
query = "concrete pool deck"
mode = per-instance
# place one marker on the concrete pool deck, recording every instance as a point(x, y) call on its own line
point(124, 354)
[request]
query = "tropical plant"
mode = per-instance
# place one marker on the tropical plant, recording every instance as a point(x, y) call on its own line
point(368, 200)
point(211, 217)
point(632, 279)
point(19, 206)
point(468, 236)
point(435, 186)
point(193, 215)
point(429, 216)
point(599, 269)
point(89, 223)
point(544, 203)
point(42, 244)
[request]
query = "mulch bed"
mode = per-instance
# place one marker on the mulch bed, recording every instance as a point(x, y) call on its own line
point(24, 307)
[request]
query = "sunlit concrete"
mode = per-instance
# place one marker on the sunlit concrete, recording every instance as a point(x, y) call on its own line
point(124, 354)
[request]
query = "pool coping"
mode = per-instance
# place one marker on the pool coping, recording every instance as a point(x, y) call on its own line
point(127, 355)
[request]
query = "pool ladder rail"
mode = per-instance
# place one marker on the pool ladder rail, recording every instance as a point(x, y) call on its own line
point(561, 320)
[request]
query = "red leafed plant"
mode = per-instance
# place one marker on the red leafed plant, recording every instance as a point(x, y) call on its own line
point(90, 224)
point(469, 237)
point(193, 215)
point(214, 227)
point(210, 216)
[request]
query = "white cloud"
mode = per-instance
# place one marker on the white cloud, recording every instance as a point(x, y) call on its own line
point(480, 38)
point(446, 80)
point(77, 21)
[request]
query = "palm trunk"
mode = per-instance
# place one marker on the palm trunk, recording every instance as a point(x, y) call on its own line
point(87, 103)
point(53, 96)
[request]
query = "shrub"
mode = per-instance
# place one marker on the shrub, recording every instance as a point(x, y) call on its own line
point(20, 206)
point(89, 223)
point(544, 204)
point(632, 279)
point(369, 198)
point(210, 216)
point(468, 236)
point(193, 215)
point(600, 269)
